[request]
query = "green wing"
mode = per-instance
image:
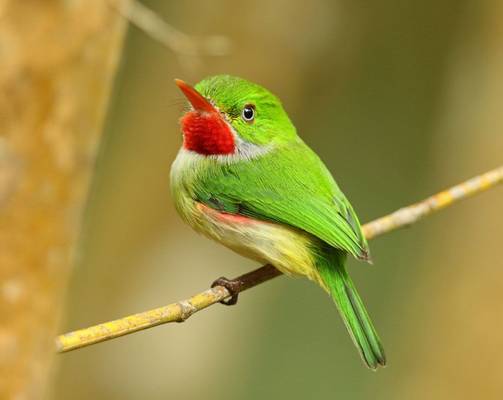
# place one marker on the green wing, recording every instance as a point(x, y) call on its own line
point(291, 186)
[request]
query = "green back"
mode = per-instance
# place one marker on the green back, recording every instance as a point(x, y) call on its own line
point(288, 185)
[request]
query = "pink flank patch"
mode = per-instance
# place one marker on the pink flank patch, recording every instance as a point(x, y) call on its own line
point(223, 216)
point(207, 133)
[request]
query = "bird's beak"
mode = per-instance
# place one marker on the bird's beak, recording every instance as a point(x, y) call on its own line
point(198, 101)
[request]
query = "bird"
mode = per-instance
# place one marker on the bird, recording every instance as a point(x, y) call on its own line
point(244, 178)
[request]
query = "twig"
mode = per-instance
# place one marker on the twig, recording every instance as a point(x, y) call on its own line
point(410, 214)
point(158, 29)
point(181, 310)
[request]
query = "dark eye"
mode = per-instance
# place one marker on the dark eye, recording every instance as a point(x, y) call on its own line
point(248, 113)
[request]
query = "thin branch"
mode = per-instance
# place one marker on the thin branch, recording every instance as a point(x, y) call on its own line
point(159, 30)
point(181, 310)
point(410, 214)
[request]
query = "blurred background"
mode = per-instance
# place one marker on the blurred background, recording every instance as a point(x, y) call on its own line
point(400, 99)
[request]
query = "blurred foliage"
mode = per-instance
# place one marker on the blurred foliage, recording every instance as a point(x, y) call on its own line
point(400, 98)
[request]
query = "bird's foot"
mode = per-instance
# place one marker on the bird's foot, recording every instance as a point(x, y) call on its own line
point(232, 286)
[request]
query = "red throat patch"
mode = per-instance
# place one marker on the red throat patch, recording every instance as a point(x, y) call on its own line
point(207, 133)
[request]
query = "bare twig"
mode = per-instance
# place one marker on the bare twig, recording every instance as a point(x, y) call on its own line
point(181, 310)
point(410, 214)
point(158, 29)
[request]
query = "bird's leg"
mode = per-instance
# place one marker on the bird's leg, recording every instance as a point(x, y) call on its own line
point(246, 281)
point(232, 286)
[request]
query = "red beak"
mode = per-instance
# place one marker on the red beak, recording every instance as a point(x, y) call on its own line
point(197, 100)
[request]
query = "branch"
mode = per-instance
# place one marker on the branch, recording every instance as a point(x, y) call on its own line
point(181, 310)
point(159, 30)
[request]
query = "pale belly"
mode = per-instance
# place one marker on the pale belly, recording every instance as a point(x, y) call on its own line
point(288, 249)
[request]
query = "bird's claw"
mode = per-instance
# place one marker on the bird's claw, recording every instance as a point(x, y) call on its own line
point(233, 288)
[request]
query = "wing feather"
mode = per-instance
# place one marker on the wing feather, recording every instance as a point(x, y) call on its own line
point(291, 186)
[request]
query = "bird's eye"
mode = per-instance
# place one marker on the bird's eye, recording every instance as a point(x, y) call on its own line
point(248, 113)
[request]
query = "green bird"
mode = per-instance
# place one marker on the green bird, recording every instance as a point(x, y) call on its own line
point(244, 178)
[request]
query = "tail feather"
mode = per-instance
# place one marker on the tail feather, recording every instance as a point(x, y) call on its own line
point(352, 310)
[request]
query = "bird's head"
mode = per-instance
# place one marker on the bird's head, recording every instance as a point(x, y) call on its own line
point(230, 115)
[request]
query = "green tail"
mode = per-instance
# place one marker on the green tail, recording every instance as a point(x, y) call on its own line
point(351, 308)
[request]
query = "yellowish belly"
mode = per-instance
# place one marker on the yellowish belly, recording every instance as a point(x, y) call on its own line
point(288, 249)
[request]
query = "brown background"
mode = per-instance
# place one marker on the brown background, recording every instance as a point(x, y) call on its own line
point(401, 99)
